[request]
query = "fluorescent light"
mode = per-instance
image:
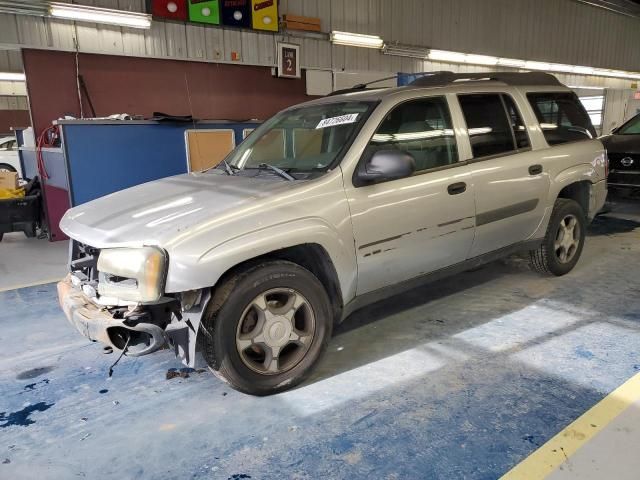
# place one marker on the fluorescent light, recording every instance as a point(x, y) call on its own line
point(475, 59)
point(481, 59)
point(100, 15)
point(583, 70)
point(511, 62)
point(12, 77)
point(405, 51)
point(529, 65)
point(557, 67)
point(445, 56)
point(356, 39)
point(586, 88)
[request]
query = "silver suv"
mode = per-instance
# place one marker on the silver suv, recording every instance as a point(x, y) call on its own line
point(331, 205)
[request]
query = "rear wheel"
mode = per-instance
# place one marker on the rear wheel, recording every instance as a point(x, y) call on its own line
point(562, 245)
point(267, 327)
point(5, 167)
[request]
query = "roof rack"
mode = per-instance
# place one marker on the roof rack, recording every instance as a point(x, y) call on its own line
point(439, 79)
point(362, 86)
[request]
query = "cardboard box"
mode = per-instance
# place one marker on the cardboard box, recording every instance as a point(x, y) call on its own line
point(9, 180)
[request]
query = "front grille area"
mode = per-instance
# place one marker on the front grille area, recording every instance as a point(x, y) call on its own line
point(629, 179)
point(616, 161)
point(84, 262)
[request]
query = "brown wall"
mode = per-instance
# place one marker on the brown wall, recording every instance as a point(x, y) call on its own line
point(141, 86)
point(13, 118)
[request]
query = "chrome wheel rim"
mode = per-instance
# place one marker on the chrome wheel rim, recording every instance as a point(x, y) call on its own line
point(567, 239)
point(275, 331)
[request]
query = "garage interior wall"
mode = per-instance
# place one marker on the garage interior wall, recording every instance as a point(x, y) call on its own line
point(140, 86)
point(536, 30)
point(12, 114)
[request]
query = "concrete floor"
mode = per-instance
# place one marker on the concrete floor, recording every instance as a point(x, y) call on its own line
point(463, 379)
point(29, 261)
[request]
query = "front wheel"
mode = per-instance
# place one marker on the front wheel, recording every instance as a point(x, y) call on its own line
point(564, 240)
point(5, 167)
point(267, 327)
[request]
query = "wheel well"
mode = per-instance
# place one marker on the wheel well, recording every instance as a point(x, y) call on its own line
point(579, 192)
point(314, 258)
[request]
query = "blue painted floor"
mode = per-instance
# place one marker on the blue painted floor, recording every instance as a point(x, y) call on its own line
point(462, 379)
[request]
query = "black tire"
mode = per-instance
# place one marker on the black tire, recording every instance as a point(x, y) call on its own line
point(225, 312)
point(5, 167)
point(545, 259)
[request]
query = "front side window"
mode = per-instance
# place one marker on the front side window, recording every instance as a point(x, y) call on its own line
point(421, 128)
point(561, 116)
point(488, 126)
point(302, 139)
point(632, 127)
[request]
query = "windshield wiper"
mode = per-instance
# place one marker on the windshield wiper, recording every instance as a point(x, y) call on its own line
point(277, 170)
point(228, 168)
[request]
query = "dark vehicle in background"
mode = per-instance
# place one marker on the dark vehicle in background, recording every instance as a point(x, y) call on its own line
point(623, 147)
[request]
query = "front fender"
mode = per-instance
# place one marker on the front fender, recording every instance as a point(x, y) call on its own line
point(204, 270)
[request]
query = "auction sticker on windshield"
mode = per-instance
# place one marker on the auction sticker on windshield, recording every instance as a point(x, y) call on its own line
point(341, 120)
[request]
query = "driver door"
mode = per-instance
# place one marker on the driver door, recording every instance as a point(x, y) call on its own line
point(411, 226)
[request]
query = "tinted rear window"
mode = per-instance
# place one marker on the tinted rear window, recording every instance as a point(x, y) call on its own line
point(488, 126)
point(561, 116)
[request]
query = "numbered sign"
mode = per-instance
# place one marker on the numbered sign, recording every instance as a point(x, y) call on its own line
point(288, 60)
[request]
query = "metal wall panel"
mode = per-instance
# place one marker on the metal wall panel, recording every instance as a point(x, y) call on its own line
point(562, 31)
point(10, 61)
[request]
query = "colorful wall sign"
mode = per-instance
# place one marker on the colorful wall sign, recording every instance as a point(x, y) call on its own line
point(254, 14)
point(265, 15)
point(236, 13)
point(204, 11)
point(171, 9)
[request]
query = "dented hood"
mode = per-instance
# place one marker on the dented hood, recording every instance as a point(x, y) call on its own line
point(156, 212)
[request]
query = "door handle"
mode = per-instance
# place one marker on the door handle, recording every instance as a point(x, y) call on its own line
point(457, 188)
point(535, 169)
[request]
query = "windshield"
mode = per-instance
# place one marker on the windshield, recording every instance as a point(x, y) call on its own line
point(632, 127)
point(303, 139)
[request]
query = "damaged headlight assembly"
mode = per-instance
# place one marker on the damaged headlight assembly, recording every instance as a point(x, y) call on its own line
point(132, 274)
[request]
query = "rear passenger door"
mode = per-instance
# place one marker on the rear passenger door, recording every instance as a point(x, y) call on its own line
point(510, 183)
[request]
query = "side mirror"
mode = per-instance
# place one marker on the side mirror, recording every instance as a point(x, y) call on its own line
point(386, 165)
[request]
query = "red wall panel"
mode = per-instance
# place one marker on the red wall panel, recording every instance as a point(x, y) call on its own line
point(141, 86)
point(13, 118)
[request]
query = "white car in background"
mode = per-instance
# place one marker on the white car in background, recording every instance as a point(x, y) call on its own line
point(9, 160)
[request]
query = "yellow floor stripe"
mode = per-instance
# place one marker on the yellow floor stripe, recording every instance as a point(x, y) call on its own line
point(557, 450)
point(34, 284)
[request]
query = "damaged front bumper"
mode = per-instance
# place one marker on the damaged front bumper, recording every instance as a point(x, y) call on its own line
point(99, 325)
point(141, 331)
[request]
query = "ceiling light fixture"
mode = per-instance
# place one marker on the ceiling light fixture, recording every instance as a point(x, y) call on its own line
point(356, 40)
point(109, 16)
point(405, 51)
point(446, 56)
point(474, 59)
point(511, 62)
point(12, 77)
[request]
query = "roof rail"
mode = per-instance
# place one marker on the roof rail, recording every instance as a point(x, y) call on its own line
point(358, 87)
point(439, 79)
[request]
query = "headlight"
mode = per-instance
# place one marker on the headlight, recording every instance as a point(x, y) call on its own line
point(135, 274)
